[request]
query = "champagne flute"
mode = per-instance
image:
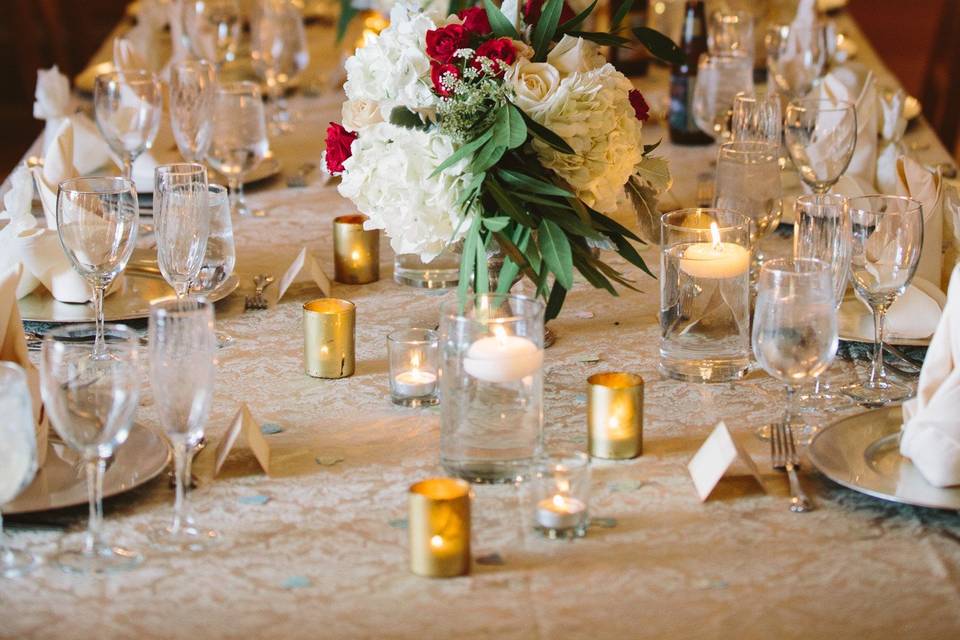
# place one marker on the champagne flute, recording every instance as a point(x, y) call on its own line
point(279, 52)
point(18, 458)
point(821, 136)
point(182, 346)
point(97, 221)
point(91, 403)
point(887, 234)
point(719, 79)
point(795, 325)
point(192, 87)
point(128, 106)
point(212, 29)
point(239, 140)
point(182, 222)
point(756, 118)
point(796, 56)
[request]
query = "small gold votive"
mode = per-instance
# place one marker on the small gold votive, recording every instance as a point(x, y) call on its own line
point(439, 528)
point(328, 338)
point(615, 415)
point(356, 253)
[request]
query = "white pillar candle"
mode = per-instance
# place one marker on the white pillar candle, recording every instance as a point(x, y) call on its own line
point(715, 260)
point(560, 512)
point(502, 358)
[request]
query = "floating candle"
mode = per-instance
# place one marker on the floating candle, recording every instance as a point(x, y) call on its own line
point(502, 357)
point(716, 259)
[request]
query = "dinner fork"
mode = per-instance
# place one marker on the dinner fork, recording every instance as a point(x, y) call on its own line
point(783, 452)
point(257, 301)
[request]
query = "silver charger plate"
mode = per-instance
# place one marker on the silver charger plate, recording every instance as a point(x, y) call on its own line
point(862, 453)
point(62, 480)
point(131, 301)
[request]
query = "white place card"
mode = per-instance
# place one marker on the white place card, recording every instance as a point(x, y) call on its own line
point(307, 264)
point(243, 424)
point(715, 457)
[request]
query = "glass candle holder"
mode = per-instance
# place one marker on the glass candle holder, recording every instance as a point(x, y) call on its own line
point(356, 252)
point(561, 494)
point(615, 416)
point(413, 367)
point(491, 357)
point(439, 528)
point(328, 338)
point(704, 295)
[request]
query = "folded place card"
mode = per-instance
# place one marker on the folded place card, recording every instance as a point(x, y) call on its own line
point(305, 262)
point(715, 457)
point(246, 426)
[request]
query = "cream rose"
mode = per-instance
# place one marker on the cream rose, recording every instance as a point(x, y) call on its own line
point(360, 113)
point(533, 83)
point(575, 54)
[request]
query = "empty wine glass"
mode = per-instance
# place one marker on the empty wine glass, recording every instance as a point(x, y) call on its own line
point(239, 140)
point(91, 403)
point(821, 136)
point(18, 458)
point(182, 222)
point(731, 32)
point(756, 118)
point(97, 221)
point(719, 79)
point(128, 106)
point(796, 56)
point(182, 346)
point(887, 234)
point(279, 52)
point(821, 231)
point(795, 325)
point(192, 90)
point(212, 29)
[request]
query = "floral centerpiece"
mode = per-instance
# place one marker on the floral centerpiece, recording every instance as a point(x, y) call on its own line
point(486, 128)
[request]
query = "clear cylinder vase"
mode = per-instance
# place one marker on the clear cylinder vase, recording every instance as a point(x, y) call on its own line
point(443, 272)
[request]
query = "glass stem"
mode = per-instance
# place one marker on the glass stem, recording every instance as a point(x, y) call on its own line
point(877, 373)
point(6, 555)
point(235, 198)
point(98, 343)
point(95, 499)
point(790, 409)
point(127, 166)
point(182, 289)
point(181, 468)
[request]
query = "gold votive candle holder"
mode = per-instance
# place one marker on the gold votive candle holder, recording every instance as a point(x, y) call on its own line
point(328, 338)
point(615, 415)
point(439, 528)
point(356, 252)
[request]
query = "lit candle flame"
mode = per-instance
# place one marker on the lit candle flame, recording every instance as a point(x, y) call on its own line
point(436, 542)
point(415, 361)
point(559, 502)
point(715, 234)
point(355, 256)
point(499, 332)
point(563, 485)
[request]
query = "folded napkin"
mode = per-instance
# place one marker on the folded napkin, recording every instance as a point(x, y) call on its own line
point(13, 348)
point(18, 217)
point(931, 421)
point(152, 18)
point(798, 42)
point(914, 316)
point(893, 124)
point(855, 84)
point(54, 104)
point(42, 255)
point(127, 56)
point(916, 181)
point(57, 167)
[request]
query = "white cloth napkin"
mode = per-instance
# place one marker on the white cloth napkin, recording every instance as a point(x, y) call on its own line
point(18, 217)
point(931, 429)
point(893, 124)
point(127, 56)
point(913, 316)
point(57, 167)
point(42, 255)
point(857, 85)
point(54, 104)
point(915, 181)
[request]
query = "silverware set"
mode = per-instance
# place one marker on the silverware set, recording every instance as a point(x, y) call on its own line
point(257, 301)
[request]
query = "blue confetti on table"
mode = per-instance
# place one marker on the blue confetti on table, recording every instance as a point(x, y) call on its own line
point(270, 428)
point(257, 500)
point(296, 582)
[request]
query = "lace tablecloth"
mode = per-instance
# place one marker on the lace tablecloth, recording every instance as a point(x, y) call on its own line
point(325, 555)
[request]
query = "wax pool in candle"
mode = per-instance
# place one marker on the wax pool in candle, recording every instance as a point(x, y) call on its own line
point(716, 259)
point(502, 357)
point(560, 512)
point(415, 383)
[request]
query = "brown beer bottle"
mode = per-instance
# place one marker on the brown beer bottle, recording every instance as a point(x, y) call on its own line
point(683, 78)
point(634, 62)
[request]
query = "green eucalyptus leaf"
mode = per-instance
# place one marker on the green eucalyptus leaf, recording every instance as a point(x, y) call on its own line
point(481, 280)
point(555, 302)
point(468, 260)
point(546, 28)
point(509, 129)
point(487, 156)
point(621, 13)
point(522, 181)
point(650, 148)
point(592, 275)
point(347, 14)
point(506, 203)
point(578, 19)
point(630, 254)
point(603, 38)
point(659, 45)
point(499, 23)
point(555, 248)
point(497, 223)
point(545, 134)
point(403, 117)
point(463, 152)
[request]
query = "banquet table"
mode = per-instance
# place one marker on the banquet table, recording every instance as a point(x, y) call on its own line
point(324, 553)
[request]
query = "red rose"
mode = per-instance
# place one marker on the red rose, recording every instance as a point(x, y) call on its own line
point(500, 50)
point(437, 72)
point(533, 8)
point(640, 107)
point(443, 43)
point(475, 21)
point(338, 147)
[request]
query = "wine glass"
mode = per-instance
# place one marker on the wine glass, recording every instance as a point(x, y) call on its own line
point(796, 56)
point(279, 52)
point(719, 79)
point(731, 32)
point(182, 346)
point(91, 403)
point(128, 106)
point(239, 141)
point(18, 458)
point(795, 325)
point(756, 118)
point(821, 231)
point(182, 222)
point(97, 221)
point(821, 136)
point(220, 257)
point(192, 87)
point(887, 236)
point(212, 29)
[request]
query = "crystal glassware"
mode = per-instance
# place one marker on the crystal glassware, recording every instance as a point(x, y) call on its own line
point(731, 32)
point(413, 355)
point(561, 494)
point(91, 403)
point(757, 118)
point(887, 234)
point(821, 136)
point(97, 221)
point(719, 79)
point(182, 222)
point(182, 370)
point(220, 256)
point(192, 90)
point(796, 57)
point(18, 458)
point(239, 138)
point(278, 47)
point(128, 106)
point(704, 295)
point(795, 325)
point(212, 29)
point(491, 414)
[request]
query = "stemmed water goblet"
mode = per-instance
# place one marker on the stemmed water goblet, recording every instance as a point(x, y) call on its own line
point(212, 29)
point(128, 106)
point(887, 234)
point(182, 222)
point(756, 118)
point(182, 346)
point(719, 79)
point(18, 458)
point(821, 136)
point(795, 325)
point(279, 52)
point(97, 221)
point(91, 403)
point(192, 90)
point(796, 56)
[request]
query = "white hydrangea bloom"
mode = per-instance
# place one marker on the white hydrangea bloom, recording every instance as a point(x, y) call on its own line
point(388, 178)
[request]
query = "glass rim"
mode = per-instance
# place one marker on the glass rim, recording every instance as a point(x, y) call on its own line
point(329, 306)
point(744, 221)
point(738, 148)
point(832, 106)
point(741, 57)
point(451, 308)
point(179, 169)
point(171, 307)
point(788, 266)
point(914, 206)
point(821, 200)
point(136, 75)
point(430, 336)
point(441, 489)
point(563, 458)
point(67, 185)
point(756, 96)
